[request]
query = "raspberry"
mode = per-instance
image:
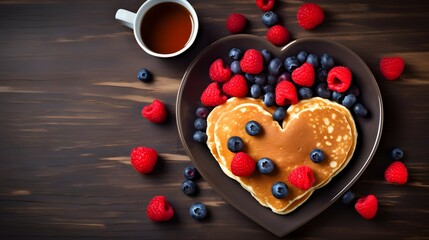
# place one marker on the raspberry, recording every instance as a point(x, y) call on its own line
point(155, 112)
point(391, 67)
point(397, 173)
point(235, 23)
point(236, 86)
point(339, 79)
point(265, 5)
point(278, 35)
point(218, 72)
point(301, 177)
point(159, 210)
point(367, 206)
point(144, 159)
point(310, 15)
point(242, 165)
point(286, 93)
point(252, 62)
point(304, 75)
point(212, 96)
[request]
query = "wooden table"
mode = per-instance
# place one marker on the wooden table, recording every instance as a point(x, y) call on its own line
point(70, 107)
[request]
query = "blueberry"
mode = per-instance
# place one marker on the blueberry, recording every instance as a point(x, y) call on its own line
point(322, 75)
point(279, 190)
point(235, 67)
point(253, 128)
point(268, 88)
point(302, 56)
point(305, 93)
point(198, 211)
point(317, 155)
point(200, 124)
point(360, 110)
point(269, 99)
point(284, 76)
point(202, 112)
point(189, 187)
point(190, 173)
point(349, 100)
point(323, 91)
point(269, 18)
point(313, 60)
point(279, 114)
point(255, 91)
point(348, 197)
point(271, 80)
point(249, 77)
point(235, 144)
point(397, 153)
point(267, 55)
point(353, 89)
point(291, 63)
point(144, 75)
point(260, 79)
point(235, 53)
point(199, 136)
point(275, 67)
point(326, 61)
point(265, 165)
point(337, 96)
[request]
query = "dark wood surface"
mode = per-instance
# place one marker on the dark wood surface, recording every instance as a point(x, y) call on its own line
point(70, 107)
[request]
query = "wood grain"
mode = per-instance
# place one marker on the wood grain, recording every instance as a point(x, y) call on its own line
point(70, 107)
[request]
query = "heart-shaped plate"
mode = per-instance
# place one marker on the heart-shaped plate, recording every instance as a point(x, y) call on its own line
point(196, 79)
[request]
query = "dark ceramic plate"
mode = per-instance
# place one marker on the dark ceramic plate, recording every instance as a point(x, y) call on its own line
point(196, 79)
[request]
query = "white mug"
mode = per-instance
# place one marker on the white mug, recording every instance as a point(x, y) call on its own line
point(134, 21)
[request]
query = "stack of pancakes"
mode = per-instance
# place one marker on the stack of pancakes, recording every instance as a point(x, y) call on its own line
point(310, 124)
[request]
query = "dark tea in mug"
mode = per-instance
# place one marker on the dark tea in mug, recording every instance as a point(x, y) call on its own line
point(166, 27)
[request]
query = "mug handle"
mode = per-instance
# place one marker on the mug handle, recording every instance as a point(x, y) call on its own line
point(125, 17)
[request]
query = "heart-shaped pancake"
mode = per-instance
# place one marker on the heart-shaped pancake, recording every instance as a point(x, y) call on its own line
point(310, 124)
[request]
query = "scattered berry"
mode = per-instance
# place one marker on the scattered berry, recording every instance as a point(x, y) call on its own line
point(218, 72)
point(159, 210)
point(302, 177)
point(235, 53)
point(310, 15)
point(190, 173)
point(242, 165)
point(269, 18)
point(212, 96)
point(155, 112)
point(144, 159)
point(278, 35)
point(235, 144)
point(236, 86)
point(367, 206)
point(397, 173)
point(265, 165)
point(189, 187)
point(339, 78)
point(144, 75)
point(391, 67)
point(199, 136)
point(198, 211)
point(317, 156)
point(235, 23)
point(286, 93)
point(252, 62)
point(279, 114)
point(348, 197)
point(200, 124)
point(397, 153)
point(304, 75)
point(253, 128)
point(360, 110)
point(279, 190)
point(265, 5)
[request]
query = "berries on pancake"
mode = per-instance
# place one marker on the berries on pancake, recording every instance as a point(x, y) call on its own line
point(253, 128)
point(265, 165)
point(317, 155)
point(302, 177)
point(235, 144)
point(279, 190)
point(242, 165)
point(279, 114)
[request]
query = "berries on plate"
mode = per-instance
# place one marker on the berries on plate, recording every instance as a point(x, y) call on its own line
point(317, 155)
point(367, 206)
point(397, 153)
point(252, 62)
point(200, 124)
point(310, 15)
point(199, 136)
point(198, 211)
point(144, 75)
point(236, 86)
point(360, 110)
point(304, 75)
point(235, 144)
point(305, 93)
point(189, 187)
point(159, 209)
point(144, 159)
point(242, 165)
point(218, 72)
point(265, 5)
point(202, 112)
point(269, 18)
point(323, 91)
point(265, 165)
point(327, 61)
point(286, 93)
point(253, 128)
point(279, 114)
point(291, 63)
point(348, 197)
point(349, 100)
point(391, 67)
point(213, 96)
point(339, 78)
point(278, 35)
point(302, 177)
point(155, 112)
point(235, 53)
point(235, 23)
point(190, 173)
point(397, 173)
point(279, 190)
